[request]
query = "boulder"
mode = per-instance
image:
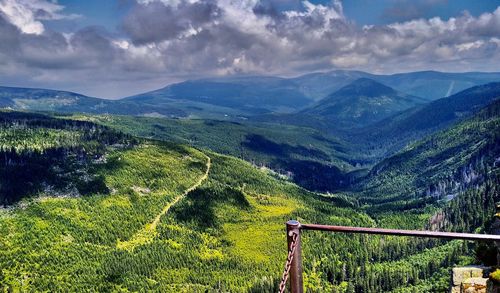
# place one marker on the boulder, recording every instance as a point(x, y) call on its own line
point(474, 285)
point(462, 273)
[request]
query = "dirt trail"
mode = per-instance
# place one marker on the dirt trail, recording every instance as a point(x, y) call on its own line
point(149, 231)
point(178, 198)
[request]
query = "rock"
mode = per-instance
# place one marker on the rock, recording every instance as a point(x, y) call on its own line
point(478, 271)
point(469, 279)
point(462, 273)
point(474, 285)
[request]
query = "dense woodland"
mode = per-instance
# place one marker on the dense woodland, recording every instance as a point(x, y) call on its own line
point(38, 152)
point(88, 209)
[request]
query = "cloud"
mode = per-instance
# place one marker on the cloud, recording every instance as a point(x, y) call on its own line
point(155, 21)
point(170, 40)
point(27, 14)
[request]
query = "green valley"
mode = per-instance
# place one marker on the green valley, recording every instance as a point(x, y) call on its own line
point(163, 216)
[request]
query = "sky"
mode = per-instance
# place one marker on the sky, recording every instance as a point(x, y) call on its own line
point(117, 48)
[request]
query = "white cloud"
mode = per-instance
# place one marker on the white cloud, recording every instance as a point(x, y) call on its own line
point(175, 39)
point(469, 45)
point(350, 61)
point(26, 15)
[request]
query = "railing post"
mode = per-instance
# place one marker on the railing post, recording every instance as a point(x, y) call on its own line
point(296, 281)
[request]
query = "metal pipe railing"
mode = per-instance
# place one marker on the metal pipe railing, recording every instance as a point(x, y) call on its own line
point(293, 237)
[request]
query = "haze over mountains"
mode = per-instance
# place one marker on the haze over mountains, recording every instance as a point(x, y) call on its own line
point(232, 97)
point(360, 109)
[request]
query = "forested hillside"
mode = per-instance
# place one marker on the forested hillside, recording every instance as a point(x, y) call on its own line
point(308, 157)
point(43, 154)
point(442, 164)
point(166, 146)
point(392, 134)
point(89, 208)
point(173, 218)
point(452, 176)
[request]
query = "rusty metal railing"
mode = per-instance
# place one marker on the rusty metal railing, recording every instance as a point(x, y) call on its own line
point(293, 267)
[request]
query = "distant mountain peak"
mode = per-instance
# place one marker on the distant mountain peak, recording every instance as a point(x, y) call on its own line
point(365, 87)
point(362, 102)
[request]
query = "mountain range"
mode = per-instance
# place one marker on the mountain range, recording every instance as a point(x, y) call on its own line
point(241, 97)
point(99, 202)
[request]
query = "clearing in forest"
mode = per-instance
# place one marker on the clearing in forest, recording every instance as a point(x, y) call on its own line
point(148, 233)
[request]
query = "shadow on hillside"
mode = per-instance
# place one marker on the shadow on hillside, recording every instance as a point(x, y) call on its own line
point(310, 174)
point(28, 173)
point(199, 208)
point(259, 143)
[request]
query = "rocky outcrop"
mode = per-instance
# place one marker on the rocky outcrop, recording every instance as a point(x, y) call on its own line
point(470, 279)
point(474, 285)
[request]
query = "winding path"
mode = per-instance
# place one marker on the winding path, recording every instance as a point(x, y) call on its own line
point(147, 234)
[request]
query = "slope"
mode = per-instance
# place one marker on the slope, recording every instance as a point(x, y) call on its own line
point(245, 95)
point(430, 85)
point(395, 132)
point(40, 153)
point(224, 235)
point(361, 103)
point(435, 85)
point(148, 233)
point(30, 99)
point(439, 166)
point(308, 157)
point(232, 98)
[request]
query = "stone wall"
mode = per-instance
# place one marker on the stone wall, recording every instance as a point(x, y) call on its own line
point(470, 279)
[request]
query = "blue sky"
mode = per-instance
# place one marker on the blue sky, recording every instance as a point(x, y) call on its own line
point(115, 48)
point(109, 13)
point(375, 11)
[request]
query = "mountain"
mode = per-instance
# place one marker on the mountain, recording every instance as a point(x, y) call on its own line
point(360, 103)
point(441, 166)
point(44, 99)
point(430, 85)
point(258, 93)
point(117, 212)
point(240, 95)
point(308, 157)
point(416, 122)
point(320, 84)
point(376, 141)
point(31, 99)
point(434, 85)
